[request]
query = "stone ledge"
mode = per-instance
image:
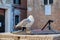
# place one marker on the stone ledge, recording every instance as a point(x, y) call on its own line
point(10, 36)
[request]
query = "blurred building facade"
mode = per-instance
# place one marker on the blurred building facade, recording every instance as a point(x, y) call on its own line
point(44, 10)
point(11, 12)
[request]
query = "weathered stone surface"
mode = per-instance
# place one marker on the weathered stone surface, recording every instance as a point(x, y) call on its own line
point(9, 36)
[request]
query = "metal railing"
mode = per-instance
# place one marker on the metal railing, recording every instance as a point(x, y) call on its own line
point(49, 24)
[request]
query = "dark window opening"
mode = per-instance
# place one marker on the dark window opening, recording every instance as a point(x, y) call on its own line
point(17, 1)
point(50, 1)
point(46, 2)
point(16, 19)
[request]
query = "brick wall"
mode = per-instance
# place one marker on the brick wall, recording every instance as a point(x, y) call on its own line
point(39, 14)
point(23, 14)
point(2, 11)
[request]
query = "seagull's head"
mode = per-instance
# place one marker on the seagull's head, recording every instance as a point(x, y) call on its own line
point(31, 18)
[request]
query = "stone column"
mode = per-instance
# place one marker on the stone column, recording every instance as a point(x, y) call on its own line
point(9, 20)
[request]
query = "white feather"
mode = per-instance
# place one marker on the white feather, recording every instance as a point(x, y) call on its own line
point(26, 22)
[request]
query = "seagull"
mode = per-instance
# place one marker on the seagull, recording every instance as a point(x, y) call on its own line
point(25, 23)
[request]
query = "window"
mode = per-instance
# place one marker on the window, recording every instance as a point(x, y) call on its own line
point(16, 19)
point(17, 1)
point(45, 2)
point(48, 6)
point(48, 2)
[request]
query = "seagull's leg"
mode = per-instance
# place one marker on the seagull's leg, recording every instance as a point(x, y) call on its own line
point(23, 28)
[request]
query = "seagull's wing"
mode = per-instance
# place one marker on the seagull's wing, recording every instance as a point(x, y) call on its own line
point(26, 22)
point(20, 23)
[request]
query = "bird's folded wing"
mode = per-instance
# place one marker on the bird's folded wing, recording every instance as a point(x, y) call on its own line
point(21, 23)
